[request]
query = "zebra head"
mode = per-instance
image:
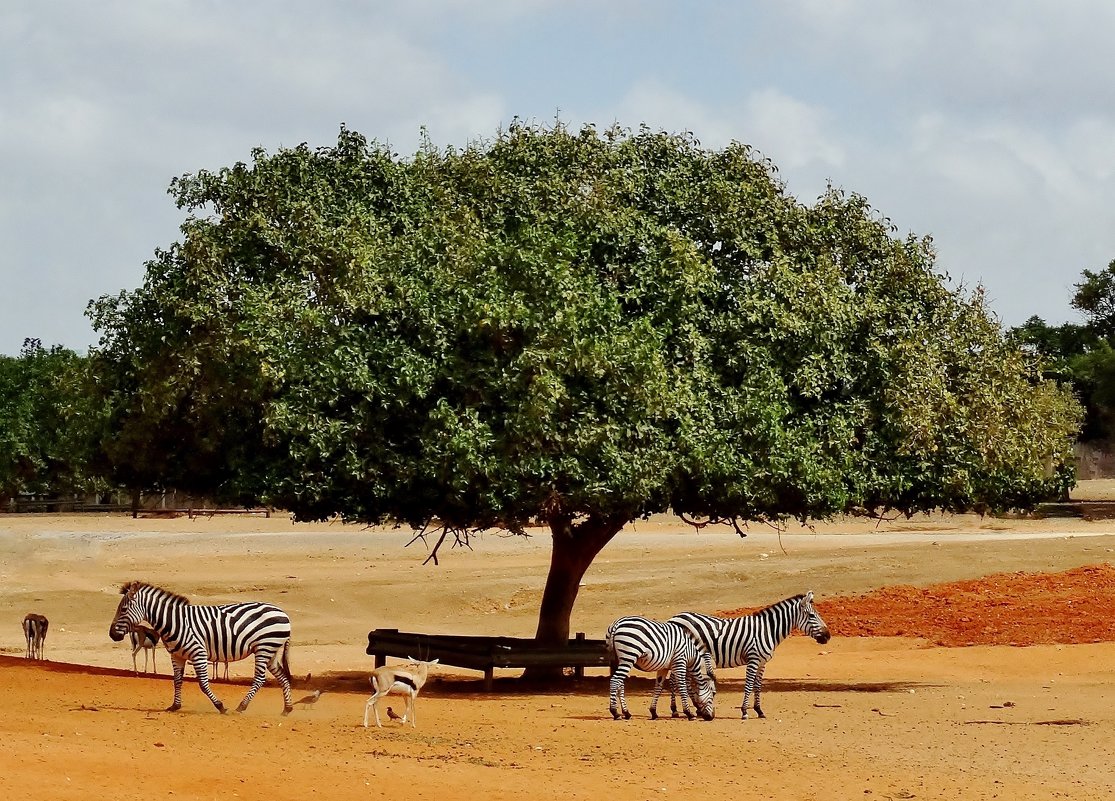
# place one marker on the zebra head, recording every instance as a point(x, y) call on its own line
point(809, 621)
point(704, 685)
point(129, 612)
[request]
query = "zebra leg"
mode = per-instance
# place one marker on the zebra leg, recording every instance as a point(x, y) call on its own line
point(759, 688)
point(262, 661)
point(748, 686)
point(201, 668)
point(673, 697)
point(178, 667)
point(659, 681)
point(280, 673)
point(617, 697)
point(681, 682)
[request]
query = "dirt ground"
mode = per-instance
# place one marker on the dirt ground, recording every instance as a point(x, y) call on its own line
point(869, 715)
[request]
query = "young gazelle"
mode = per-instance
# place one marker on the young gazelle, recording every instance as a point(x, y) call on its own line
point(145, 638)
point(398, 680)
point(34, 629)
point(214, 667)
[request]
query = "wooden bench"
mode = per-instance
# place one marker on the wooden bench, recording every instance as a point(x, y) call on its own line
point(486, 653)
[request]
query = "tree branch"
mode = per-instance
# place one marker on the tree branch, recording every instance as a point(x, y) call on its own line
point(732, 521)
point(460, 538)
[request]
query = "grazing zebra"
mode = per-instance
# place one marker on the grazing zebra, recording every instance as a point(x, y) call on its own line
point(34, 629)
point(659, 648)
point(199, 633)
point(751, 639)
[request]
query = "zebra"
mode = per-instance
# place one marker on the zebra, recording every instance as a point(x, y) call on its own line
point(751, 639)
point(227, 633)
point(659, 648)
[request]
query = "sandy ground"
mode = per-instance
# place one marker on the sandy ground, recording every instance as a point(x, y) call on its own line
point(856, 718)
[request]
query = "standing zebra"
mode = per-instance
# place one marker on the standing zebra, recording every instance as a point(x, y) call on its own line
point(659, 648)
point(199, 633)
point(34, 629)
point(751, 639)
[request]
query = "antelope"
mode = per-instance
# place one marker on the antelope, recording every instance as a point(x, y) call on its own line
point(145, 638)
point(398, 680)
point(34, 628)
point(214, 669)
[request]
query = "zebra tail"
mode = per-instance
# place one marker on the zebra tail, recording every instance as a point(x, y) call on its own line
point(286, 659)
point(613, 657)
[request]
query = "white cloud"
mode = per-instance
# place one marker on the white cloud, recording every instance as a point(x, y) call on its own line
point(1012, 57)
point(799, 133)
point(790, 132)
point(989, 125)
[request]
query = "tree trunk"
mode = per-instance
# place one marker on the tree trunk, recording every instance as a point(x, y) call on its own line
point(574, 548)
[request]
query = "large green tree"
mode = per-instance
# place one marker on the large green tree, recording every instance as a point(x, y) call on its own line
point(569, 328)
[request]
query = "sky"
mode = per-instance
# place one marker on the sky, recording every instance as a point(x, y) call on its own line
point(989, 126)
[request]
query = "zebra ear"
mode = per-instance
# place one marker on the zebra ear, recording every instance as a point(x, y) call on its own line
point(809, 597)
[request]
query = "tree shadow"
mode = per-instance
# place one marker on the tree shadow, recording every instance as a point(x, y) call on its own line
point(820, 686)
point(1085, 510)
point(514, 687)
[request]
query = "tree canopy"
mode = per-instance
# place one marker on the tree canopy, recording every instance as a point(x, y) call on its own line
point(571, 328)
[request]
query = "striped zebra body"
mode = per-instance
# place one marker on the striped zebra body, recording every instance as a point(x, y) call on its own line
point(201, 634)
point(663, 649)
point(751, 640)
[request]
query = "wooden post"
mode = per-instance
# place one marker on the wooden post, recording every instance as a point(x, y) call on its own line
point(381, 658)
point(579, 670)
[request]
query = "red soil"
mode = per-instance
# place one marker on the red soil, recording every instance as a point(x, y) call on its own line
point(1003, 609)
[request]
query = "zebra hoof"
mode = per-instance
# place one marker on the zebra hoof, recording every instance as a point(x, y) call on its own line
point(615, 715)
point(173, 707)
point(759, 712)
point(626, 715)
point(242, 707)
point(653, 714)
point(220, 707)
point(287, 710)
point(690, 715)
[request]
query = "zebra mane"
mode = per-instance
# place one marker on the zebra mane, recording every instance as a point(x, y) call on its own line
point(784, 602)
point(132, 586)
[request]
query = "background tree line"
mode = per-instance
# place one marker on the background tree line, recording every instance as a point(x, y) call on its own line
point(1082, 355)
point(48, 420)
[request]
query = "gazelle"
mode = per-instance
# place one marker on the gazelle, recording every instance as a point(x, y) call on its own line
point(145, 638)
point(34, 628)
point(398, 680)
